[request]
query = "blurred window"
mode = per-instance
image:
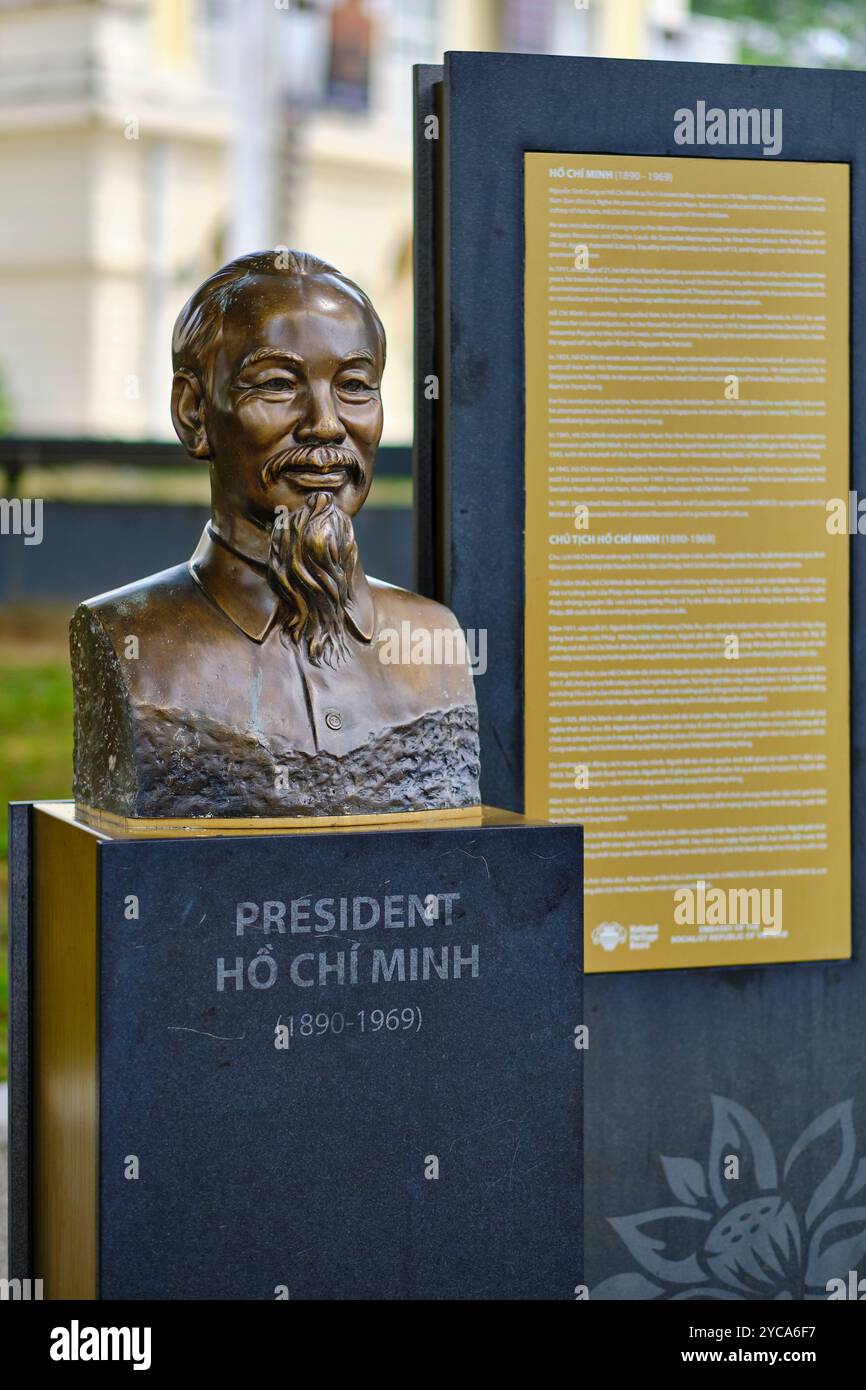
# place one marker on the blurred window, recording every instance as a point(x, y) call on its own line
point(350, 33)
point(525, 26)
point(409, 31)
point(547, 26)
point(356, 56)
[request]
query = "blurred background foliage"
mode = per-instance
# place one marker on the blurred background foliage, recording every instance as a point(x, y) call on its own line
point(795, 33)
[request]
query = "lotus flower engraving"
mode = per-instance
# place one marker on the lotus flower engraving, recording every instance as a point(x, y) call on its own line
point(746, 1227)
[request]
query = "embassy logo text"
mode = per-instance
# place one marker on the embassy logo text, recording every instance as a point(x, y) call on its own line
point(736, 126)
point(76, 1343)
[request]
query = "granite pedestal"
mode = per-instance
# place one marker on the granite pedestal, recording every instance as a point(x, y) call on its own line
point(314, 1065)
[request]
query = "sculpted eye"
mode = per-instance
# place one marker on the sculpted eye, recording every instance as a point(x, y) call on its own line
point(276, 383)
point(354, 385)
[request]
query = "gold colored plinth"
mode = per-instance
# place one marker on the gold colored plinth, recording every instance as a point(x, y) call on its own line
point(170, 827)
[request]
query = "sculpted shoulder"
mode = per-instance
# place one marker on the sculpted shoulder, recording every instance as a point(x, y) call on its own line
point(165, 613)
point(395, 605)
point(157, 599)
point(423, 636)
point(160, 639)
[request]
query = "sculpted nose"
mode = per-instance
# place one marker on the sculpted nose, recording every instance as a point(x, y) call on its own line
point(320, 424)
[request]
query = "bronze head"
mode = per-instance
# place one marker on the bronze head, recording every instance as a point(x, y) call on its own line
point(278, 364)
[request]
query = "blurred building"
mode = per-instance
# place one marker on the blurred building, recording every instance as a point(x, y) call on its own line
point(142, 142)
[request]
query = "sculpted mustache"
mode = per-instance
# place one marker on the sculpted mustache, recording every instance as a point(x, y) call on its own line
point(323, 457)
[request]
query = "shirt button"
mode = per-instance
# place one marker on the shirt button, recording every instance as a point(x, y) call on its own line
point(334, 719)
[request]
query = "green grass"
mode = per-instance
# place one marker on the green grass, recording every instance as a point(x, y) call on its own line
point(35, 736)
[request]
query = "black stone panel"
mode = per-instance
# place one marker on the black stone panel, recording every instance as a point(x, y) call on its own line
point(305, 1167)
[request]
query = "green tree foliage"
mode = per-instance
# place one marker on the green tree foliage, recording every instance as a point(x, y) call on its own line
point(809, 33)
point(5, 410)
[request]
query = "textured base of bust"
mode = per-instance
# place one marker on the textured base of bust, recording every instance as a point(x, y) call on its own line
point(199, 767)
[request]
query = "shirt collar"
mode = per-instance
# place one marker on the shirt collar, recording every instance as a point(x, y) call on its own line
point(237, 582)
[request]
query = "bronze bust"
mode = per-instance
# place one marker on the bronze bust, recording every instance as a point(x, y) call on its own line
point(250, 681)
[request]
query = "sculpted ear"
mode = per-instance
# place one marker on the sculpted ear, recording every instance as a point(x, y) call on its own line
point(188, 415)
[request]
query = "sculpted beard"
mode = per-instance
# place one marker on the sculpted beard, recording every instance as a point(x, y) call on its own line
point(312, 558)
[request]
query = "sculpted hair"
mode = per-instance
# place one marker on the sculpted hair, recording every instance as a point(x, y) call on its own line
point(198, 324)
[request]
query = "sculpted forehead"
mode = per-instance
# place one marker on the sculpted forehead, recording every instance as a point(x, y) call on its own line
point(315, 316)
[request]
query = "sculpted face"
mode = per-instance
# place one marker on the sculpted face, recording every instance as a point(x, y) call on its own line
point(294, 406)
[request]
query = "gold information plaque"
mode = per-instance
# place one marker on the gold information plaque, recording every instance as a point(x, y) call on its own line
point(687, 465)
